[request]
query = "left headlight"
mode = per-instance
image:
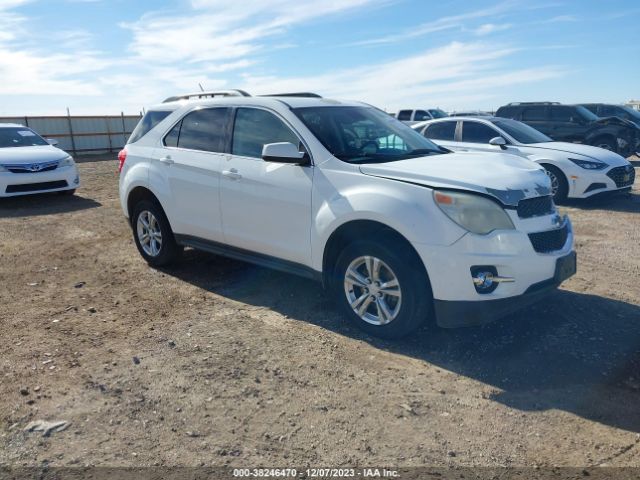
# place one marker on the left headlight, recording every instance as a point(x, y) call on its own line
point(588, 164)
point(66, 162)
point(474, 213)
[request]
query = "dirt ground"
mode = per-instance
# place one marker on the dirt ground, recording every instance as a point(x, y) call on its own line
point(216, 362)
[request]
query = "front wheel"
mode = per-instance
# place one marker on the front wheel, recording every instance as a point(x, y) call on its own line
point(559, 184)
point(153, 235)
point(383, 292)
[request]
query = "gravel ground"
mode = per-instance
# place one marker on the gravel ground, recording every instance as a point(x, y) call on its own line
point(216, 362)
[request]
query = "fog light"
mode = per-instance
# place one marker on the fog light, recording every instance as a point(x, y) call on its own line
point(76, 181)
point(486, 279)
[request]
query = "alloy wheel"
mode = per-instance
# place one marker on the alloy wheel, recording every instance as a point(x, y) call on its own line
point(555, 183)
point(149, 233)
point(373, 290)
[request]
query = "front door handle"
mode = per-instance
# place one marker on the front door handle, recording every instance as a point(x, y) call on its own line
point(232, 174)
point(167, 160)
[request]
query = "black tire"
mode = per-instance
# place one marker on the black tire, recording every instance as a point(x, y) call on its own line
point(607, 143)
point(169, 250)
point(67, 192)
point(416, 298)
point(563, 185)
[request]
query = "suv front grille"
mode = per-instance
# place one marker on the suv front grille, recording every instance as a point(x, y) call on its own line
point(549, 241)
point(535, 207)
point(623, 176)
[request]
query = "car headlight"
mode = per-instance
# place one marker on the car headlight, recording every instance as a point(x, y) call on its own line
point(66, 162)
point(588, 164)
point(474, 213)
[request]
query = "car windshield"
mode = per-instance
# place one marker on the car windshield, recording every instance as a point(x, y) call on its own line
point(437, 113)
point(587, 114)
point(364, 134)
point(521, 132)
point(20, 137)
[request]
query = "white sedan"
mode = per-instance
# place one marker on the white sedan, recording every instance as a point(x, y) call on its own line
point(576, 171)
point(30, 164)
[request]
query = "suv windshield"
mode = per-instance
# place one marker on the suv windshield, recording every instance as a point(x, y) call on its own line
point(521, 132)
point(20, 137)
point(364, 134)
point(635, 114)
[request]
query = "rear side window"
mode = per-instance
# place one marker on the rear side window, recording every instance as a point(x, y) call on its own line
point(474, 132)
point(421, 115)
point(441, 131)
point(148, 122)
point(203, 130)
point(534, 113)
point(404, 115)
point(254, 128)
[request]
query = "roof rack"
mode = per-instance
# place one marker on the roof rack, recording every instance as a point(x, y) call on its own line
point(294, 94)
point(210, 94)
point(533, 103)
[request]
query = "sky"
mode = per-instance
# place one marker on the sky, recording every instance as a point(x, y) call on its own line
point(108, 56)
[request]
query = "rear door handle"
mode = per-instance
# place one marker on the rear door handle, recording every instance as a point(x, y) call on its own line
point(232, 174)
point(167, 160)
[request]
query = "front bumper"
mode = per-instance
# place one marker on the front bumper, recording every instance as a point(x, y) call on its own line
point(613, 180)
point(452, 314)
point(511, 253)
point(58, 180)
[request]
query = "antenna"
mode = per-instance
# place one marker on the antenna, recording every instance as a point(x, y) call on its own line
point(201, 89)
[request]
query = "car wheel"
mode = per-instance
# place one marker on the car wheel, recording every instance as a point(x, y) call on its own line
point(606, 143)
point(381, 290)
point(559, 184)
point(153, 235)
point(67, 192)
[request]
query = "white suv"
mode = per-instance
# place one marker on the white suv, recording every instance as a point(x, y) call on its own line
point(400, 230)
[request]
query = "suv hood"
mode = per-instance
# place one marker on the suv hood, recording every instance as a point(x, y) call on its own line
point(578, 149)
point(615, 121)
point(508, 178)
point(37, 154)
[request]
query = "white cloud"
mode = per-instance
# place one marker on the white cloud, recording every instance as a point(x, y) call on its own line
point(489, 28)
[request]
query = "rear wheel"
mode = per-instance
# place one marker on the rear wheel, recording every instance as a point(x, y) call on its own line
point(383, 292)
point(559, 184)
point(153, 235)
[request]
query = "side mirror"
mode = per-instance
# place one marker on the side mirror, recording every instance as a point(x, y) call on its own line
point(284, 152)
point(53, 142)
point(499, 142)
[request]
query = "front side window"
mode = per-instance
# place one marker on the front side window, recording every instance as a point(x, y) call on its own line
point(474, 132)
point(254, 128)
point(441, 131)
point(421, 115)
point(364, 134)
point(20, 137)
point(563, 114)
point(203, 130)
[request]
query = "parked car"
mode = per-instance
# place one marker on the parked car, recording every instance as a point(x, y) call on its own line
point(30, 164)
point(576, 124)
point(411, 117)
point(576, 171)
point(399, 230)
point(604, 110)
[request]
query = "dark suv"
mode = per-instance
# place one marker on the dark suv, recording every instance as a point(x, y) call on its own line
point(576, 124)
point(608, 110)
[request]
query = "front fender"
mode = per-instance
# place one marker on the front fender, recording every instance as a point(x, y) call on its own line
point(408, 209)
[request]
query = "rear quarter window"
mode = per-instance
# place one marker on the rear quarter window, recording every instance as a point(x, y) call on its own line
point(148, 123)
point(507, 112)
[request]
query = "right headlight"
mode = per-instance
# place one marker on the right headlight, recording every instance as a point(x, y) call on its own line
point(474, 213)
point(66, 162)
